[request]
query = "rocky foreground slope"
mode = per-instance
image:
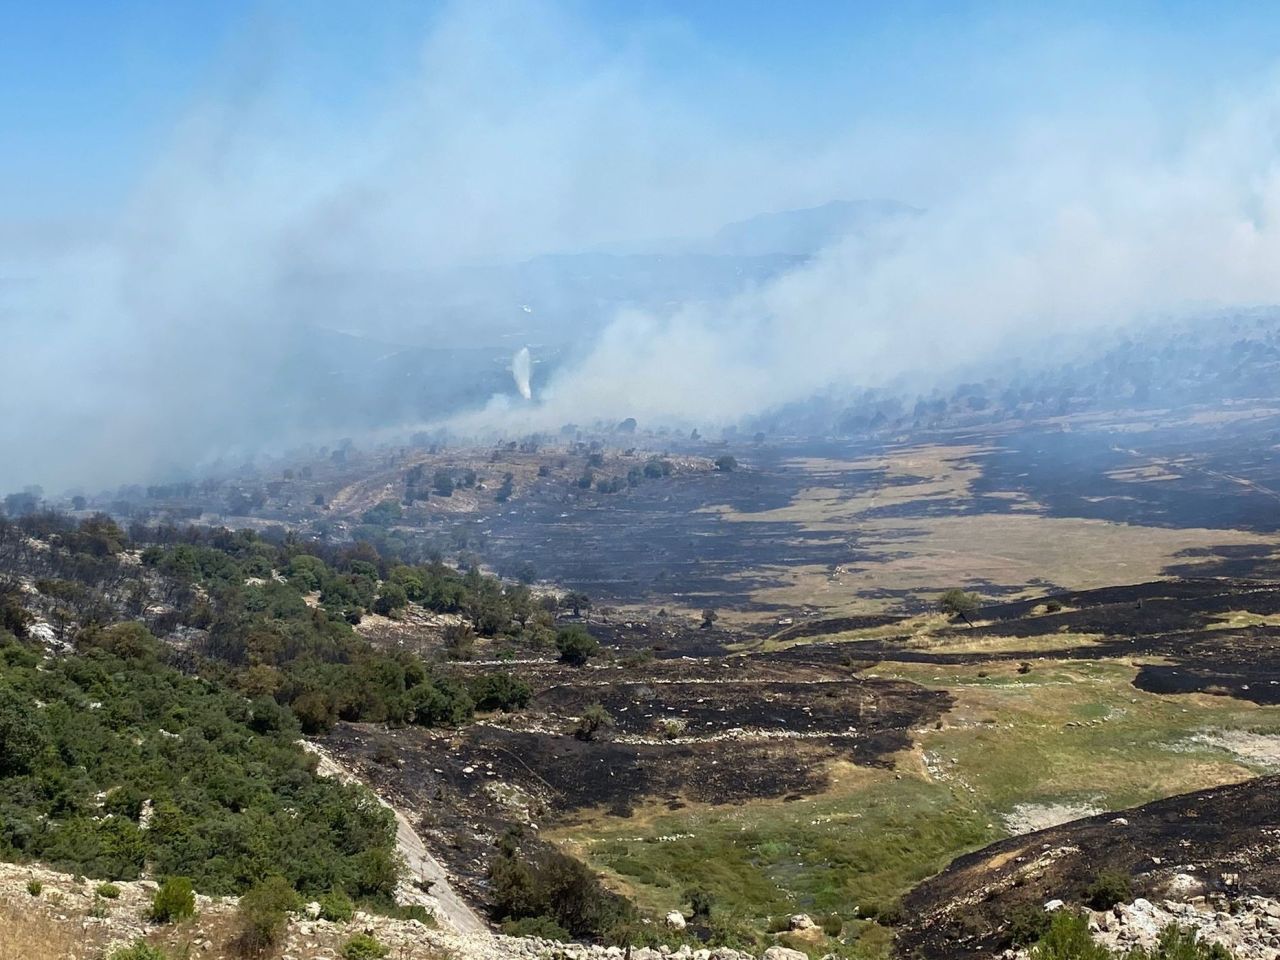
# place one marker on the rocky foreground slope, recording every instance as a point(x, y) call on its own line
point(46, 915)
point(1213, 856)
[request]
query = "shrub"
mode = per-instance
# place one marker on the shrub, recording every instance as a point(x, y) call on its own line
point(34, 887)
point(459, 641)
point(1028, 923)
point(363, 947)
point(1053, 606)
point(576, 646)
point(500, 691)
point(108, 891)
point(956, 603)
point(541, 926)
point(412, 911)
point(336, 907)
point(1068, 938)
point(554, 886)
point(726, 464)
point(594, 719)
point(391, 598)
point(263, 914)
point(1177, 943)
point(175, 900)
point(1108, 888)
point(140, 950)
point(700, 903)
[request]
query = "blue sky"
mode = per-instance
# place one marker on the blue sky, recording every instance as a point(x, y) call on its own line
point(90, 90)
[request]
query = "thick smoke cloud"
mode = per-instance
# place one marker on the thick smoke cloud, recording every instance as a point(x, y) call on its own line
point(1068, 239)
point(174, 334)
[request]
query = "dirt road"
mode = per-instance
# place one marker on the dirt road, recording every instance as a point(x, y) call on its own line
point(449, 908)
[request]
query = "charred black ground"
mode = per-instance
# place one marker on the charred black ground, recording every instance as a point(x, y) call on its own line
point(1227, 838)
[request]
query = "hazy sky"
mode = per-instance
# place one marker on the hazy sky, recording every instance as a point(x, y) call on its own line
point(93, 89)
point(173, 175)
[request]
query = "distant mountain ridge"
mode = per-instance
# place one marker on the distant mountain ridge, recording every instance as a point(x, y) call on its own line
point(807, 231)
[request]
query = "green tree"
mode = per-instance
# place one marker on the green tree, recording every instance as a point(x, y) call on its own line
point(956, 603)
point(391, 597)
point(577, 601)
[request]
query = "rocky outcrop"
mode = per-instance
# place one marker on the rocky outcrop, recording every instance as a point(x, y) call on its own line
point(1248, 927)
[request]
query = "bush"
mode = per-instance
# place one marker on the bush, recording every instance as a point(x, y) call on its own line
point(363, 947)
point(1109, 888)
point(1177, 943)
point(412, 911)
point(700, 903)
point(34, 887)
point(336, 907)
point(263, 914)
point(956, 603)
point(593, 721)
point(1068, 938)
point(726, 464)
point(140, 950)
point(557, 887)
point(108, 891)
point(391, 598)
point(541, 926)
point(832, 924)
point(459, 641)
point(1028, 923)
point(576, 646)
point(174, 901)
point(500, 691)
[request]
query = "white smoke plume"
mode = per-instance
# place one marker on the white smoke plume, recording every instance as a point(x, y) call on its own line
point(521, 371)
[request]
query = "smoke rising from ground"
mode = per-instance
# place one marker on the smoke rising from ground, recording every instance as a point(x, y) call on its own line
point(183, 329)
point(521, 371)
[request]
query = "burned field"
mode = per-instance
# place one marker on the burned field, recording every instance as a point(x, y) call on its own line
point(882, 748)
point(1205, 635)
point(710, 732)
point(832, 742)
point(1227, 840)
point(867, 526)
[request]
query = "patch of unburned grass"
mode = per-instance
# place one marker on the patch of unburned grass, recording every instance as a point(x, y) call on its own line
point(964, 643)
point(1246, 618)
point(854, 848)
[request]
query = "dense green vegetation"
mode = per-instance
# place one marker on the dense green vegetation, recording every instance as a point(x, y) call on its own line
point(274, 619)
point(122, 751)
point(553, 892)
point(93, 739)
